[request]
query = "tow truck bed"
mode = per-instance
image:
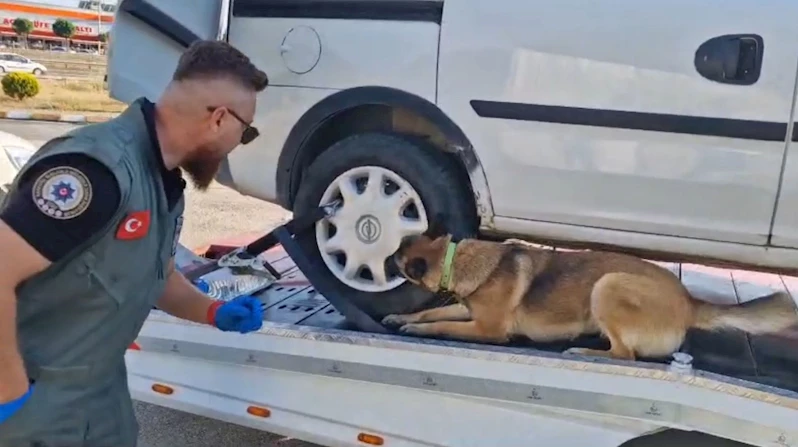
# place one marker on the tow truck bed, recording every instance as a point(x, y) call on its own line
point(768, 359)
point(323, 381)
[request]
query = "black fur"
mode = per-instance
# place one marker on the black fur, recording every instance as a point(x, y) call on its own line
point(416, 268)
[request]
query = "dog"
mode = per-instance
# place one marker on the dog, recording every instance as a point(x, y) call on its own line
point(512, 288)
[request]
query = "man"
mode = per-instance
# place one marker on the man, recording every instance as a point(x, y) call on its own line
point(89, 231)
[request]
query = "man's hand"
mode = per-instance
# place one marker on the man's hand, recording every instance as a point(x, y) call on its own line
point(189, 301)
point(242, 314)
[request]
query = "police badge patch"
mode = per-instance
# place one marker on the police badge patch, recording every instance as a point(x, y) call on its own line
point(62, 192)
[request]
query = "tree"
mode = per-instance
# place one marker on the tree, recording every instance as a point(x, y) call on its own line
point(103, 37)
point(23, 27)
point(64, 29)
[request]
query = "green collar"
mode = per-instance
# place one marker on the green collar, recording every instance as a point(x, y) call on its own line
point(446, 270)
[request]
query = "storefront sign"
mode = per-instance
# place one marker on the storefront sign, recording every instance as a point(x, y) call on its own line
point(46, 25)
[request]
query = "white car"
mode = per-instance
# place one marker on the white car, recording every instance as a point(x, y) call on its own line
point(10, 62)
point(17, 152)
point(664, 129)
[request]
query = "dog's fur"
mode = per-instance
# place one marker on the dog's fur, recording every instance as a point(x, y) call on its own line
point(514, 288)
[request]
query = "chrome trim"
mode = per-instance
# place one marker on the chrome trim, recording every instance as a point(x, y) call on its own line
point(225, 8)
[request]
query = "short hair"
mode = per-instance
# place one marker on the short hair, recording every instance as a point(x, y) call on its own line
point(209, 59)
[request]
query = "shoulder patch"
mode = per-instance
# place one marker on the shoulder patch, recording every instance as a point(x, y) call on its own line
point(62, 192)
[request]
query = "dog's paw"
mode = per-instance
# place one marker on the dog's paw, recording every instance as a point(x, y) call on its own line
point(576, 351)
point(394, 320)
point(412, 329)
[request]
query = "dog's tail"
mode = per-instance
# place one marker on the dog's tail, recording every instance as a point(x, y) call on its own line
point(770, 313)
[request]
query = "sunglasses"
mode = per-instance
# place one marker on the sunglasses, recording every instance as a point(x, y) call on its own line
point(250, 132)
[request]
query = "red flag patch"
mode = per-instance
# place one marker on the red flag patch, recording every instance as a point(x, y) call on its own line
point(134, 226)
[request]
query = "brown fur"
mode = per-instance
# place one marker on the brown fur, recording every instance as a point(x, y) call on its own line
point(515, 288)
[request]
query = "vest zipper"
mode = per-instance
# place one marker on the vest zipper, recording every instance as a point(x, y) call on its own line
point(160, 251)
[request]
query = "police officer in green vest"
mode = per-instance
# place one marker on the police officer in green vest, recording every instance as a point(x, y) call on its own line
point(89, 231)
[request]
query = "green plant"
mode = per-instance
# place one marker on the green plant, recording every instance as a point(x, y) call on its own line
point(103, 37)
point(64, 29)
point(22, 27)
point(20, 85)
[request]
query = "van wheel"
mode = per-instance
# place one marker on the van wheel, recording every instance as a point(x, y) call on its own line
point(389, 186)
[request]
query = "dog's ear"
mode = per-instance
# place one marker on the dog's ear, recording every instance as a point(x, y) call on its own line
point(436, 227)
point(416, 268)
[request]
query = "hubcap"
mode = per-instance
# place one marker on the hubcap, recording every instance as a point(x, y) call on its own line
point(378, 208)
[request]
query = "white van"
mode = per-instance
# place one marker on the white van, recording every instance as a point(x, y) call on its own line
point(664, 129)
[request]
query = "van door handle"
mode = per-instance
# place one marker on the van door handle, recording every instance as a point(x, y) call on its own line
point(731, 59)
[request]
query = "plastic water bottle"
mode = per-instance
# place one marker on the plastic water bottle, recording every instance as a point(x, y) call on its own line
point(202, 285)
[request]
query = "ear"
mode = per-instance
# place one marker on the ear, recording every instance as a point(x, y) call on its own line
point(436, 227)
point(416, 268)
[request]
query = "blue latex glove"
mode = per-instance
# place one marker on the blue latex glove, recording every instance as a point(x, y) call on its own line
point(242, 314)
point(9, 408)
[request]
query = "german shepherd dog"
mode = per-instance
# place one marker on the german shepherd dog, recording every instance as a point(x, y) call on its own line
point(513, 288)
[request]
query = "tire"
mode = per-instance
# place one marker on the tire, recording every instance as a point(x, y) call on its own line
point(434, 176)
point(37, 72)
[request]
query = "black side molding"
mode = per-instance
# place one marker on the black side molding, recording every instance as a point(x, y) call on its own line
point(398, 10)
point(619, 119)
point(159, 21)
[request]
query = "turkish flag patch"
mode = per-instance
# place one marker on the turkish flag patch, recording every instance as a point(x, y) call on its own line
point(134, 226)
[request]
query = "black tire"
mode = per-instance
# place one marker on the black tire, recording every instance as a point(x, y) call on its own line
point(432, 174)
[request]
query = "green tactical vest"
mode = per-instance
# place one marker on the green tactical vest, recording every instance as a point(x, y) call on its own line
point(76, 319)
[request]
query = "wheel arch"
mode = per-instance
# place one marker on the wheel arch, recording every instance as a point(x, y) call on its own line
point(373, 108)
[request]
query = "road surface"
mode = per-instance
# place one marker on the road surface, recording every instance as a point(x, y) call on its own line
point(219, 212)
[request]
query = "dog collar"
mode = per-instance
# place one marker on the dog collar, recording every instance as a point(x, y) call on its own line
point(446, 271)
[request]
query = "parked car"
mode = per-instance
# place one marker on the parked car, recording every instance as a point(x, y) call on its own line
point(577, 124)
point(10, 62)
point(17, 152)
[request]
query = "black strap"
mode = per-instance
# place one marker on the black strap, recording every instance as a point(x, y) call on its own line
point(284, 235)
point(255, 248)
point(295, 226)
point(322, 285)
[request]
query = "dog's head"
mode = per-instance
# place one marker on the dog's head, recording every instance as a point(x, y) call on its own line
point(420, 257)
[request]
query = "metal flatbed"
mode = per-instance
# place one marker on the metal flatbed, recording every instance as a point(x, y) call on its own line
point(326, 382)
point(767, 359)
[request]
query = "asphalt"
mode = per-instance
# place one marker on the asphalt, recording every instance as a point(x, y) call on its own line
point(217, 213)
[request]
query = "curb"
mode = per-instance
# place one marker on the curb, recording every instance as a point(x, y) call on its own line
point(25, 115)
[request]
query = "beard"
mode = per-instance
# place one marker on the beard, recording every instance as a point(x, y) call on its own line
point(202, 168)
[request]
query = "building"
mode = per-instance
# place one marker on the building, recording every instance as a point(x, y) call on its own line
point(91, 18)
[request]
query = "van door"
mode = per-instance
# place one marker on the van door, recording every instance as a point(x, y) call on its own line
point(785, 219)
point(666, 118)
point(148, 37)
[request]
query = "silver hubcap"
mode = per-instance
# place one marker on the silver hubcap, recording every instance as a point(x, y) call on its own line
point(378, 208)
